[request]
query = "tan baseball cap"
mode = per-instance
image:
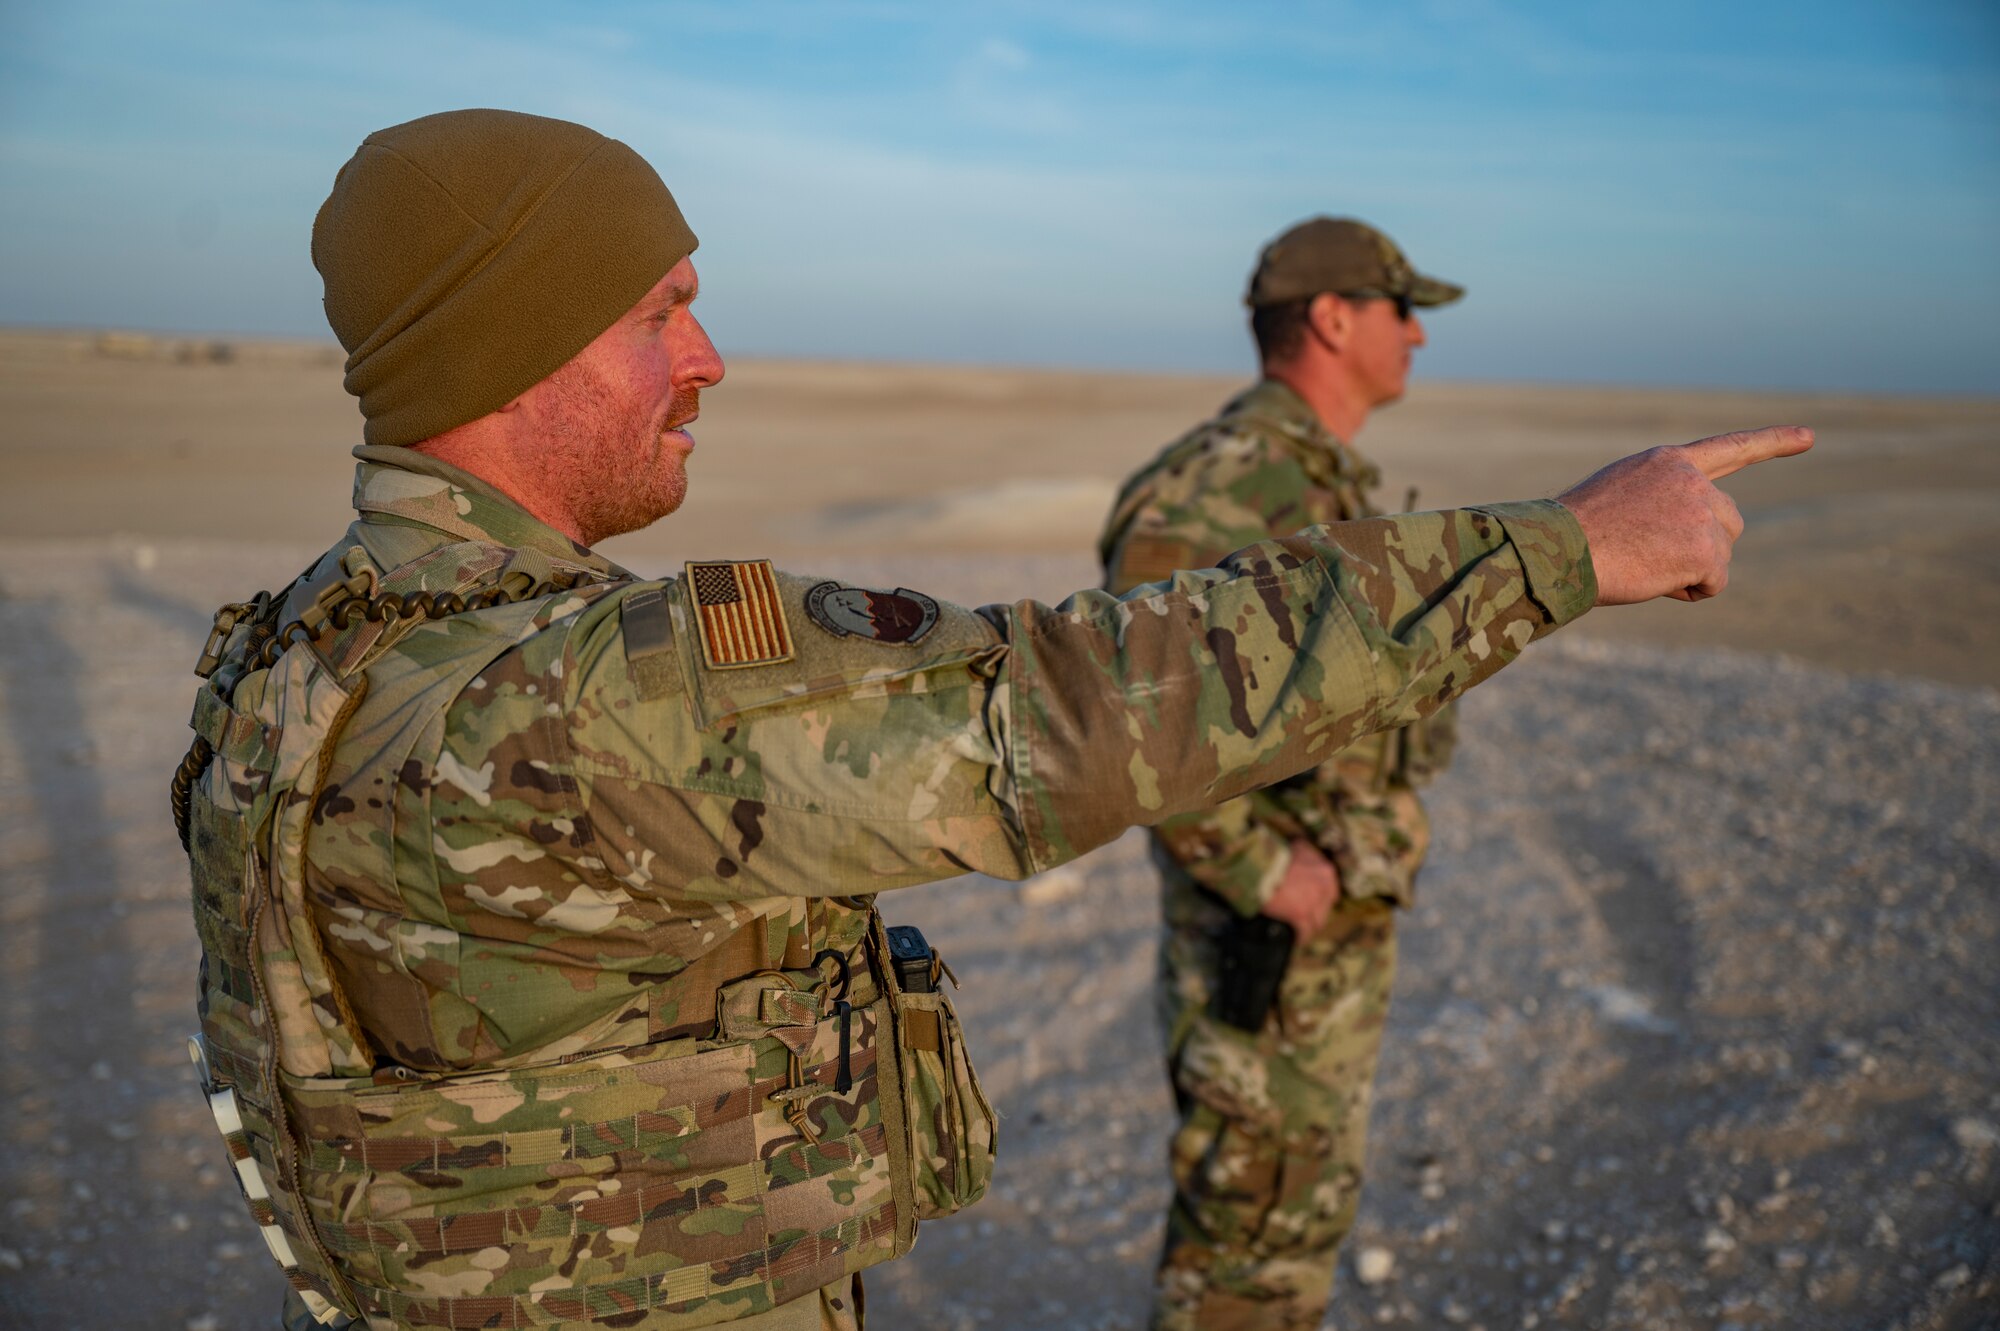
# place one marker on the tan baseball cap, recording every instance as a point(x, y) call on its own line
point(1345, 256)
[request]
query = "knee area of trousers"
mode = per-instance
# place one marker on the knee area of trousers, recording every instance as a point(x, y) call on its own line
point(1240, 1190)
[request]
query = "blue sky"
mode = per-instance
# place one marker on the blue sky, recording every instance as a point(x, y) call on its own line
point(1737, 194)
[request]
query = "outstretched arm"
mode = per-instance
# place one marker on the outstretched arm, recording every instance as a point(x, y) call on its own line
point(1040, 733)
point(1194, 690)
point(1191, 691)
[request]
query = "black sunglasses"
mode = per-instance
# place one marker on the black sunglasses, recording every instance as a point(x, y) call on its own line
point(1404, 305)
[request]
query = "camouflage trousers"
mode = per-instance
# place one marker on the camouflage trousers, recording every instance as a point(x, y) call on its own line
point(837, 1307)
point(1273, 1124)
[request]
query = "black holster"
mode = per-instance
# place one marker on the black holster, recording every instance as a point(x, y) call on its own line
point(1251, 956)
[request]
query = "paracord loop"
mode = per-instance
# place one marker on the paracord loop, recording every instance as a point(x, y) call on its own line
point(264, 646)
point(180, 791)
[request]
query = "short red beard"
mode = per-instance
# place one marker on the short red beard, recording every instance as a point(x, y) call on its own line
point(607, 459)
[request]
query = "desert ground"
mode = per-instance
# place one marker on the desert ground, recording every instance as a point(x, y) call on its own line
point(1698, 1021)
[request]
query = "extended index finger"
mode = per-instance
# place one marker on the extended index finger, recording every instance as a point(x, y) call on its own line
point(1724, 454)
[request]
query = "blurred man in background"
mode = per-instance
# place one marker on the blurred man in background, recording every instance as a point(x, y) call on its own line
point(1280, 944)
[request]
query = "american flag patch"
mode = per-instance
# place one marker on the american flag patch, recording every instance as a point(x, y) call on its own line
point(742, 617)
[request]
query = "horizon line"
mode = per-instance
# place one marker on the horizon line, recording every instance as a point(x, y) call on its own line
point(324, 345)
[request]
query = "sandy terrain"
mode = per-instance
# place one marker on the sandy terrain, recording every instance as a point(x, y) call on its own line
point(1699, 1021)
point(1878, 556)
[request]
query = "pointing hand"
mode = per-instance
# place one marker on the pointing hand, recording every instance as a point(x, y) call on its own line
point(1656, 523)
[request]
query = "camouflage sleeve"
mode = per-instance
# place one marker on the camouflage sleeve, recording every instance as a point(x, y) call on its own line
point(1376, 835)
point(1019, 737)
point(1363, 809)
point(1231, 849)
point(1192, 691)
point(1225, 500)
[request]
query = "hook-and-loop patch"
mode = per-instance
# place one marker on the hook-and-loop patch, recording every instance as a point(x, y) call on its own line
point(741, 616)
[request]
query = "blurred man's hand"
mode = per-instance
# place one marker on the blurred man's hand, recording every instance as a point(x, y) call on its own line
point(1656, 523)
point(1307, 891)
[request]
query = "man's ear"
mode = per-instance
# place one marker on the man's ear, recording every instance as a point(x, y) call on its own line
point(1330, 319)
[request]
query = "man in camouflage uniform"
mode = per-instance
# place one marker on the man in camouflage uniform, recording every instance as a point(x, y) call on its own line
point(542, 980)
point(1273, 1105)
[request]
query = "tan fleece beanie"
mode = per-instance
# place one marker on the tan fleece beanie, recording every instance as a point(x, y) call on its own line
point(469, 254)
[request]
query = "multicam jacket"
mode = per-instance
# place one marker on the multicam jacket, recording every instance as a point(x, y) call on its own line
point(1264, 467)
point(542, 981)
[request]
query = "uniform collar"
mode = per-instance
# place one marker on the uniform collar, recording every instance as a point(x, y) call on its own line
point(1276, 401)
point(417, 489)
point(1277, 404)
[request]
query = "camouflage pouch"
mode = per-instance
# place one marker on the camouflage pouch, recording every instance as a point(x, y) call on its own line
point(950, 1122)
point(685, 1183)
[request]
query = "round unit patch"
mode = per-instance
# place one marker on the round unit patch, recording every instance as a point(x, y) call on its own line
point(901, 616)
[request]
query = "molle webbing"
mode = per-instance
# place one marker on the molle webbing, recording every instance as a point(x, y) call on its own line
point(665, 1180)
point(685, 1181)
point(242, 802)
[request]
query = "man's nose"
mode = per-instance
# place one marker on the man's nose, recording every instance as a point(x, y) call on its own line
point(1414, 330)
point(702, 365)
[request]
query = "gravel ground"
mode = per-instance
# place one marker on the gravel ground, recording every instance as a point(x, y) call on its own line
point(1698, 1023)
